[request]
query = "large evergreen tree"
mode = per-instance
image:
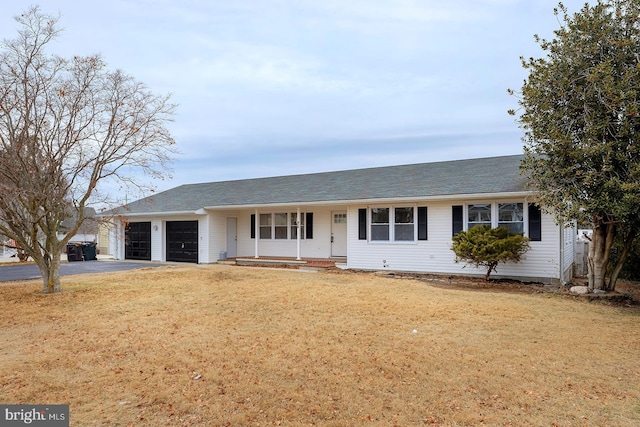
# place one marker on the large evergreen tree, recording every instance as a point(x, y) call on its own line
point(580, 111)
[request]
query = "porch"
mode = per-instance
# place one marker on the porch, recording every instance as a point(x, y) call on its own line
point(288, 262)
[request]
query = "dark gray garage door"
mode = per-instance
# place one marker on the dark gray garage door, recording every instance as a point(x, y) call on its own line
point(137, 241)
point(182, 241)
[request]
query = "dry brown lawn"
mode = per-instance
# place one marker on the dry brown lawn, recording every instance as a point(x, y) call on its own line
point(220, 345)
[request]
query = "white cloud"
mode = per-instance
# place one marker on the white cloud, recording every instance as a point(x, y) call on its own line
point(261, 83)
point(264, 67)
point(406, 12)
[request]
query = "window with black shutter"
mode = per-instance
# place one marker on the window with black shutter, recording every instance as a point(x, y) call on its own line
point(535, 222)
point(458, 222)
point(362, 224)
point(422, 223)
point(253, 226)
point(309, 225)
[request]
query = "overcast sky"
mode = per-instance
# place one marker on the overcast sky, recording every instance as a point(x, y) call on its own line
point(269, 87)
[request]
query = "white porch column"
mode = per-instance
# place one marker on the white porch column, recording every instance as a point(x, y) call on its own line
point(298, 233)
point(120, 238)
point(256, 232)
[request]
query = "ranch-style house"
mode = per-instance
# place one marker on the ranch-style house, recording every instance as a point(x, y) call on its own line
point(397, 218)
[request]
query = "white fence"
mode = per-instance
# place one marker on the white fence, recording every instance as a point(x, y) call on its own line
point(582, 256)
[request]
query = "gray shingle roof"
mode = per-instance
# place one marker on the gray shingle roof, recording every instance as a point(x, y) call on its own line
point(471, 176)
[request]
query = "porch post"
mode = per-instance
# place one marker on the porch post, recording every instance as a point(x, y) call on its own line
point(121, 237)
point(257, 232)
point(298, 233)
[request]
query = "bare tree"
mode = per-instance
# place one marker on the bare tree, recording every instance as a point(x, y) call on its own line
point(67, 126)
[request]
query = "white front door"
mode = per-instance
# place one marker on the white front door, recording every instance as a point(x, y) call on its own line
point(232, 237)
point(339, 234)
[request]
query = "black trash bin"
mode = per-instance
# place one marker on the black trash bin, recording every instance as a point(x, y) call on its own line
point(89, 251)
point(74, 252)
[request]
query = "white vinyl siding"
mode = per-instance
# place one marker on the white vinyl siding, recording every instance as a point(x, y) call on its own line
point(157, 240)
point(435, 255)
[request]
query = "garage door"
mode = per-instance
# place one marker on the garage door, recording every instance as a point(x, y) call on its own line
point(182, 241)
point(137, 241)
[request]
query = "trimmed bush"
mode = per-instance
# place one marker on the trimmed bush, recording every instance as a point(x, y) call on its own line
point(483, 246)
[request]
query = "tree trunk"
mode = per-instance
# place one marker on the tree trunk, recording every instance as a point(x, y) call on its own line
point(626, 250)
point(51, 275)
point(22, 255)
point(491, 267)
point(599, 250)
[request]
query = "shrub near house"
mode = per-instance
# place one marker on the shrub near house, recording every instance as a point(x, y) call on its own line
point(483, 246)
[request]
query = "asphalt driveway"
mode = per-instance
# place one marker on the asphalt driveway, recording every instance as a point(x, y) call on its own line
point(10, 273)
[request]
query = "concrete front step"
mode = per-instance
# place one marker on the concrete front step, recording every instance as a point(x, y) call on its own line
point(269, 261)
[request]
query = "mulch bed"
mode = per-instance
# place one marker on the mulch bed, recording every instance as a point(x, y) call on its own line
point(627, 293)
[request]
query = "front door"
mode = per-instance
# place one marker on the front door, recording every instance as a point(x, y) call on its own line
point(339, 234)
point(232, 237)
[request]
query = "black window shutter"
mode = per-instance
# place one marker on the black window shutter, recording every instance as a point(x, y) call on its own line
point(309, 225)
point(458, 222)
point(253, 226)
point(362, 224)
point(422, 223)
point(535, 222)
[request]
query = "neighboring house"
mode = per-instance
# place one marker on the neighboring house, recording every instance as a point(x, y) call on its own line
point(7, 247)
point(88, 231)
point(399, 218)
